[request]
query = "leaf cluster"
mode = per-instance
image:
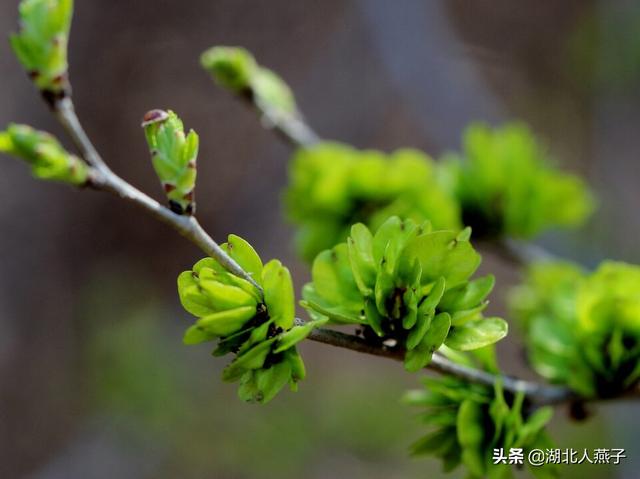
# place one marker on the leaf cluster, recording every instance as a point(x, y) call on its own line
point(468, 421)
point(258, 328)
point(407, 284)
point(506, 185)
point(582, 329)
point(333, 186)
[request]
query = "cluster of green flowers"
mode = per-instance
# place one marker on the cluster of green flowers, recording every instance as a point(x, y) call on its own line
point(258, 327)
point(41, 44)
point(469, 422)
point(47, 158)
point(406, 284)
point(582, 329)
point(333, 186)
point(506, 185)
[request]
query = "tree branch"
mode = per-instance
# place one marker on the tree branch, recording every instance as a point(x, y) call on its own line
point(102, 178)
point(298, 134)
point(291, 127)
point(538, 394)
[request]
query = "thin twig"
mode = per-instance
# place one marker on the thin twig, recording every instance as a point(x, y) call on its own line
point(102, 178)
point(537, 393)
point(291, 127)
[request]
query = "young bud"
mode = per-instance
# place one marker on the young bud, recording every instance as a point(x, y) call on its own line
point(236, 69)
point(231, 67)
point(41, 44)
point(174, 157)
point(48, 159)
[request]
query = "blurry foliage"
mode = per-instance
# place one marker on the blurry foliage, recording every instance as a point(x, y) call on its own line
point(408, 284)
point(47, 158)
point(236, 69)
point(507, 186)
point(469, 421)
point(333, 186)
point(582, 329)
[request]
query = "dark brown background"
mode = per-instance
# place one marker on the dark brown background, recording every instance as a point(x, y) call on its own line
point(373, 73)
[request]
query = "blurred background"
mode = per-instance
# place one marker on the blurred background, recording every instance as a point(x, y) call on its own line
point(94, 380)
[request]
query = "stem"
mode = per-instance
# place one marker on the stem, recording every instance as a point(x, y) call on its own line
point(291, 127)
point(538, 394)
point(102, 178)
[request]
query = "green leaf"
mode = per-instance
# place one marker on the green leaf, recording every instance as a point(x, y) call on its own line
point(374, 318)
point(468, 295)
point(298, 372)
point(296, 334)
point(224, 296)
point(272, 380)
point(226, 322)
point(278, 294)
point(332, 277)
point(361, 258)
point(420, 356)
point(417, 333)
point(252, 359)
point(432, 443)
point(534, 425)
point(470, 427)
point(477, 334)
point(196, 335)
point(336, 314)
point(441, 254)
point(244, 254)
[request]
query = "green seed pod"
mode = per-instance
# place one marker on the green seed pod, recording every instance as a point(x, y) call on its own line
point(41, 44)
point(174, 156)
point(47, 158)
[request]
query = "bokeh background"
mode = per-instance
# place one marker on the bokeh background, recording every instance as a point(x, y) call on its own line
point(94, 381)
